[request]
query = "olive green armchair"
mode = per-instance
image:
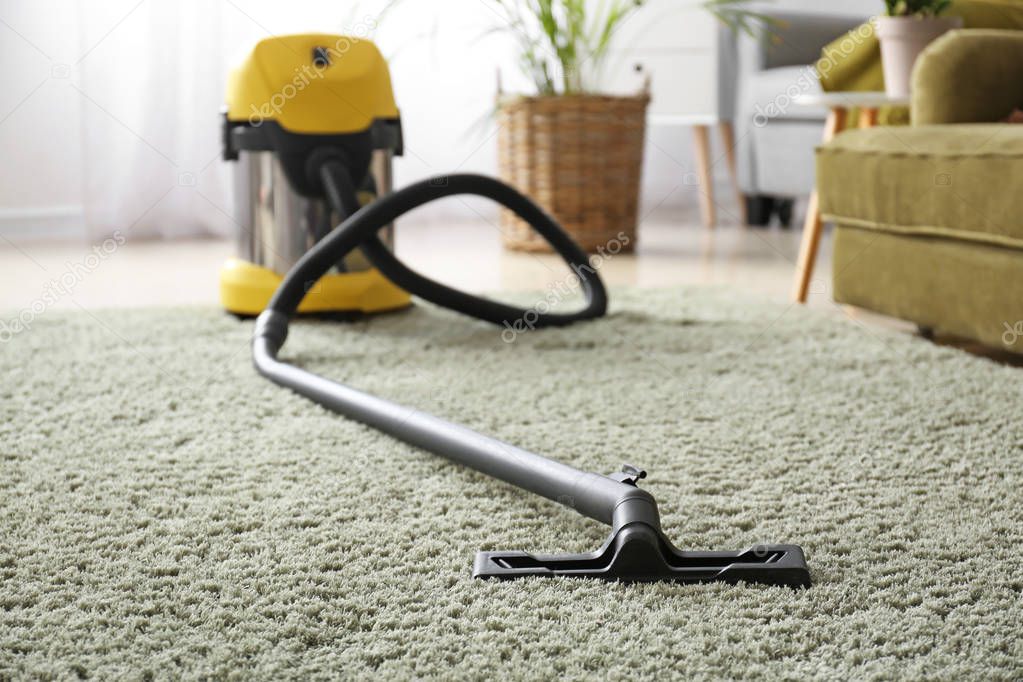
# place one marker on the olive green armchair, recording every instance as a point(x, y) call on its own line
point(929, 218)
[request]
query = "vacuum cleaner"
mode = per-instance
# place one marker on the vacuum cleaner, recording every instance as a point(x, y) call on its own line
point(312, 122)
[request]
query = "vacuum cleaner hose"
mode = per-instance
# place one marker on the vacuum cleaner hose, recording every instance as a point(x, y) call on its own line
point(361, 227)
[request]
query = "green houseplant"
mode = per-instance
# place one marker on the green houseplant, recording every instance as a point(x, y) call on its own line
point(574, 150)
point(564, 43)
point(916, 8)
point(906, 29)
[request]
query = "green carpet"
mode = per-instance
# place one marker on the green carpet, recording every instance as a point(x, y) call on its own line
point(164, 512)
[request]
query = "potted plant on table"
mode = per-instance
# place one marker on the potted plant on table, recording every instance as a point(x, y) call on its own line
point(908, 27)
point(577, 152)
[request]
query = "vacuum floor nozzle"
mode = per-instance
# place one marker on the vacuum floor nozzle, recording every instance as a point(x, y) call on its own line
point(640, 553)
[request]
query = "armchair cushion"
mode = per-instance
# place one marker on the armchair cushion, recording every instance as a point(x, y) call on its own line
point(962, 182)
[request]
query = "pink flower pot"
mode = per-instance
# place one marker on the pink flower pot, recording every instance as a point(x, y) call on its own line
point(902, 41)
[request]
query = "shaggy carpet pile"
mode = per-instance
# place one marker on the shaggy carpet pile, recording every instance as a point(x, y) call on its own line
point(165, 512)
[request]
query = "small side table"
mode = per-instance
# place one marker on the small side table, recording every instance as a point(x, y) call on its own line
point(701, 125)
point(838, 104)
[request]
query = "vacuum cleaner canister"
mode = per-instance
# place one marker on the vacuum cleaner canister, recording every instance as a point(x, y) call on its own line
point(292, 95)
point(322, 145)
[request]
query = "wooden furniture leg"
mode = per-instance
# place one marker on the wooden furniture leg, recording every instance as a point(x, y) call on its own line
point(812, 228)
point(701, 147)
point(728, 140)
point(868, 117)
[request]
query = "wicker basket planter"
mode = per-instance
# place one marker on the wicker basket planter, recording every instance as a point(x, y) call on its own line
point(580, 158)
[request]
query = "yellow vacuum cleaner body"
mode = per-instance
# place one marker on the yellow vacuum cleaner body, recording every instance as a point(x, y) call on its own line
point(293, 100)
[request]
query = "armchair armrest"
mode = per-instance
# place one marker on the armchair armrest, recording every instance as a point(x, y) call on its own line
point(969, 76)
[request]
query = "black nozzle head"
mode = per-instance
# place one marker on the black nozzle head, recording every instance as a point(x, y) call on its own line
point(640, 553)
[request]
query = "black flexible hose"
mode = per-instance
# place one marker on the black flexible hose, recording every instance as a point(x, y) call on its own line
point(360, 230)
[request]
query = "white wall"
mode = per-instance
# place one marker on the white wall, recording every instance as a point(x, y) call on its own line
point(851, 7)
point(444, 70)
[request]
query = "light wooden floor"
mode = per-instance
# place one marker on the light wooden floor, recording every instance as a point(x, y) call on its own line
point(673, 250)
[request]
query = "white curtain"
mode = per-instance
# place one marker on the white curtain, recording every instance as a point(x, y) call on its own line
point(151, 77)
point(151, 83)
